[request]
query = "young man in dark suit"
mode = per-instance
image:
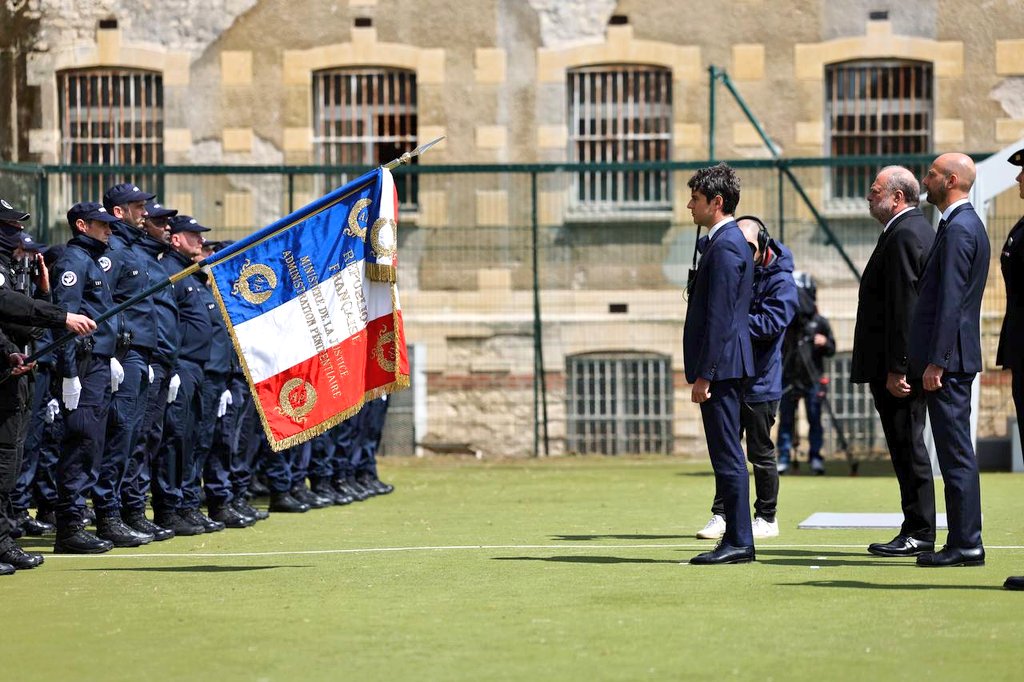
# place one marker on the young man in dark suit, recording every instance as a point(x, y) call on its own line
point(717, 354)
point(945, 350)
point(1011, 338)
point(888, 293)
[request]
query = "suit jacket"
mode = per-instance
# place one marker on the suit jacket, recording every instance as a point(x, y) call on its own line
point(1011, 338)
point(888, 293)
point(946, 327)
point(716, 334)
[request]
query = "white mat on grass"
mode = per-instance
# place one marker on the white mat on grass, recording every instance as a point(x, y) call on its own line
point(858, 520)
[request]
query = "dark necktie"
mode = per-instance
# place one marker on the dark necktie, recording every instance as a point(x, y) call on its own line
point(942, 226)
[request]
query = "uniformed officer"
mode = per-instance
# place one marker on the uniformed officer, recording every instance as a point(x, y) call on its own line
point(243, 443)
point(85, 369)
point(1011, 337)
point(175, 459)
point(17, 309)
point(136, 339)
point(212, 457)
point(153, 249)
point(364, 460)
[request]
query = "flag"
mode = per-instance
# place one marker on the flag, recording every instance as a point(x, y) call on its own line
point(311, 303)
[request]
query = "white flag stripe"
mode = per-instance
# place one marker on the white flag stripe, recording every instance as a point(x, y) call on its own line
point(309, 324)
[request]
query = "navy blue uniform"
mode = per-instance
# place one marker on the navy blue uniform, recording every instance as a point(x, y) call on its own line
point(80, 286)
point(1011, 335)
point(135, 488)
point(175, 458)
point(716, 347)
point(946, 331)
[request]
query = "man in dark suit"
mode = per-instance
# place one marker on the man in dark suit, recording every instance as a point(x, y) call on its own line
point(1011, 338)
point(888, 292)
point(945, 350)
point(717, 354)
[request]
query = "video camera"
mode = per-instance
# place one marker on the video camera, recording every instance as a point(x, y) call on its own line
point(26, 270)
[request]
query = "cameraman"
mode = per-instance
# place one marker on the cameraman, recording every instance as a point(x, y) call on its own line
point(808, 342)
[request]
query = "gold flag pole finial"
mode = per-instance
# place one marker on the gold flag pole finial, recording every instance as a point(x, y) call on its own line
point(407, 157)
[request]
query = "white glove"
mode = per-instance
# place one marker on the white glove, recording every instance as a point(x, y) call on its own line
point(52, 410)
point(225, 400)
point(116, 375)
point(172, 389)
point(152, 376)
point(71, 391)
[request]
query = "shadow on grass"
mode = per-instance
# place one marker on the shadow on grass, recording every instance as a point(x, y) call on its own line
point(585, 559)
point(861, 585)
point(193, 569)
point(617, 536)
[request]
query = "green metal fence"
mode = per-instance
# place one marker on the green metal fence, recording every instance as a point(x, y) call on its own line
point(503, 271)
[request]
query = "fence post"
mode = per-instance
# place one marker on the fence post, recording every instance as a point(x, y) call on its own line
point(782, 212)
point(540, 393)
point(291, 191)
point(712, 77)
point(43, 207)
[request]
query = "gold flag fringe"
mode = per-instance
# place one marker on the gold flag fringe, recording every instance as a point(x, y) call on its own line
point(379, 272)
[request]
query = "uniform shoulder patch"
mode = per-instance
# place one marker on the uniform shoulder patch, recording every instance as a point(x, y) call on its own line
point(69, 279)
point(104, 263)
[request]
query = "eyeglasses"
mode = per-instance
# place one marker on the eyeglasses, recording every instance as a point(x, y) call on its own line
point(158, 222)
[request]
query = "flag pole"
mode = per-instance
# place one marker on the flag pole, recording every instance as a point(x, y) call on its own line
point(402, 160)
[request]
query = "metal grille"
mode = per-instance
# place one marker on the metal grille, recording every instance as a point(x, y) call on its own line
point(619, 403)
point(880, 108)
point(365, 117)
point(620, 114)
point(110, 117)
point(853, 406)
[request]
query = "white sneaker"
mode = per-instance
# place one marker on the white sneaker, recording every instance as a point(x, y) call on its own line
point(764, 528)
point(714, 530)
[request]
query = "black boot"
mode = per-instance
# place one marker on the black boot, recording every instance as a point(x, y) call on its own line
point(75, 539)
point(323, 489)
point(230, 517)
point(6, 569)
point(349, 486)
point(306, 496)
point(34, 527)
point(284, 502)
point(198, 518)
point(370, 481)
point(242, 506)
point(111, 527)
point(138, 522)
point(12, 554)
point(180, 526)
point(47, 517)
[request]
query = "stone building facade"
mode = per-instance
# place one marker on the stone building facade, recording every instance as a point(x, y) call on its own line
point(240, 86)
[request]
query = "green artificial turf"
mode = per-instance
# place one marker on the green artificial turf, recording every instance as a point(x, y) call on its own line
point(565, 569)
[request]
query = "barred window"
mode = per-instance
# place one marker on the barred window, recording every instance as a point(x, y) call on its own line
point(876, 108)
point(619, 403)
point(853, 408)
point(365, 117)
point(620, 114)
point(110, 117)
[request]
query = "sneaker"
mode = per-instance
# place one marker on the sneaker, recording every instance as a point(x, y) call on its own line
point(714, 530)
point(763, 528)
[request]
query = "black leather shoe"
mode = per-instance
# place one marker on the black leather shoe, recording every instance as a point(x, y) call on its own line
point(953, 556)
point(358, 490)
point(373, 484)
point(33, 527)
point(138, 522)
point(725, 554)
point(347, 486)
point(257, 488)
point(243, 507)
point(6, 569)
point(180, 526)
point(198, 518)
point(47, 517)
point(901, 545)
point(77, 540)
point(284, 502)
point(11, 553)
point(325, 489)
point(230, 517)
point(89, 515)
point(307, 496)
point(1014, 582)
point(112, 528)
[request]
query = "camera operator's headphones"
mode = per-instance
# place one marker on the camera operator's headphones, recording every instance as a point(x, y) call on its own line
point(762, 234)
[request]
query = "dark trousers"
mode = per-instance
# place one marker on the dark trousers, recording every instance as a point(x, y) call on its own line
point(85, 431)
point(346, 437)
point(42, 445)
point(13, 424)
point(756, 421)
point(950, 411)
point(787, 422)
point(1017, 388)
point(903, 424)
point(211, 458)
point(321, 459)
point(127, 407)
point(246, 438)
point(371, 428)
point(135, 487)
point(283, 468)
point(174, 458)
point(721, 417)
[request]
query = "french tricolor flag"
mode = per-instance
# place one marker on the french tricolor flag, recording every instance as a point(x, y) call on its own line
point(312, 307)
